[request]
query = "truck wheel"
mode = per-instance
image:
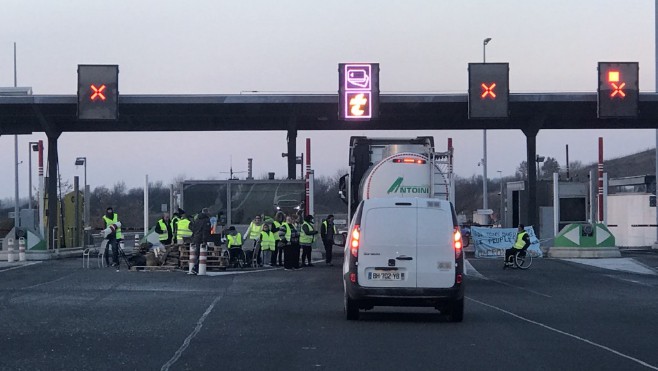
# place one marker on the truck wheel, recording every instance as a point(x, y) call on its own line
point(351, 309)
point(456, 311)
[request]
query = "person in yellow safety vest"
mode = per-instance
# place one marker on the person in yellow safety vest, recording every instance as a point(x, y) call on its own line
point(163, 229)
point(174, 226)
point(306, 238)
point(289, 236)
point(267, 243)
point(522, 243)
point(233, 243)
point(253, 233)
point(113, 238)
point(183, 231)
point(279, 218)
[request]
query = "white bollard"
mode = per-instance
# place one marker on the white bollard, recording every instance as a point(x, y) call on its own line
point(203, 257)
point(136, 242)
point(21, 249)
point(10, 250)
point(192, 259)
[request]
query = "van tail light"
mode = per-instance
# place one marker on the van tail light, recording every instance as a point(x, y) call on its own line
point(355, 237)
point(457, 242)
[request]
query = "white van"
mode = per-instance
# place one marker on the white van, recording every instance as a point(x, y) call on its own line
point(404, 252)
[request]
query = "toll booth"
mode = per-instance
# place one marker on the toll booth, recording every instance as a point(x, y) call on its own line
point(632, 210)
point(574, 205)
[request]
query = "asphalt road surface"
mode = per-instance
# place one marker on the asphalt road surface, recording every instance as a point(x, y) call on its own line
point(556, 315)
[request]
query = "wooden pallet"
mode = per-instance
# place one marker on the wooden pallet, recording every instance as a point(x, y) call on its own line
point(154, 268)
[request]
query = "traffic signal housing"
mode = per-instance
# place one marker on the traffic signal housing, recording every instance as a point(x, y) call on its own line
point(618, 92)
point(98, 92)
point(488, 90)
point(358, 91)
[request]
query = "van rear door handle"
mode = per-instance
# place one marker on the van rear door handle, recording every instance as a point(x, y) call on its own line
point(404, 258)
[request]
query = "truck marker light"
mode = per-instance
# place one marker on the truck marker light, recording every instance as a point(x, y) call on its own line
point(408, 160)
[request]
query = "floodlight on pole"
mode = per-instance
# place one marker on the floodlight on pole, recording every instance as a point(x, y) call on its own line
point(33, 147)
point(79, 161)
point(485, 201)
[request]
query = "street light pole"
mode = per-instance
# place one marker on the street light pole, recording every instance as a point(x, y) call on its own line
point(502, 209)
point(485, 201)
point(85, 214)
point(34, 147)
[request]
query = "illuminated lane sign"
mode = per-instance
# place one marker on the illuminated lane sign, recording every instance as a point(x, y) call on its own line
point(98, 92)
point(358, 91)
point(488, 90)
point(618, 90)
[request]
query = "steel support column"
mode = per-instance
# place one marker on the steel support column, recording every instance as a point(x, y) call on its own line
point(52, 187)
point(531, 149)
point(292, 153)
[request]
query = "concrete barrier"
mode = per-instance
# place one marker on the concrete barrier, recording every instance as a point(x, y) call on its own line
point(190, 264)
point(21, 250)
point(203, 257)
point(10, 250)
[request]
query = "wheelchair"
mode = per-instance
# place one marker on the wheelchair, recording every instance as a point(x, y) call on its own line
point(237, 257)
point(521, 259)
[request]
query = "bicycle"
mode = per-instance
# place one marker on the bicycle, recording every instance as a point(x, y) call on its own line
point(521, 259)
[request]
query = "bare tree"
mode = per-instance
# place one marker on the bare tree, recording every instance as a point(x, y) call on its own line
point(522, 170)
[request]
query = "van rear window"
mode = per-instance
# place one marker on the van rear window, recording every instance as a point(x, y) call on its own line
point(389, 226)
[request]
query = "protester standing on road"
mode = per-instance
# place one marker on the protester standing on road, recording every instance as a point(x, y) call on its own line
point(174, 226)
point(183, 229)
point(522, 243)
point(306, 238)
point(200, 234)
point(163, 229)
point(279, 219)
point(110, 218)
point(290, 239)
point(327, 232)
point(253, 233)
point(267, 243)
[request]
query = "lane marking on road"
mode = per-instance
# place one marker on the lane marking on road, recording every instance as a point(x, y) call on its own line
point(520, 288)
point(639, 361)
point(44, 283)
point(619, 264)
point(19, 266)
point(267, 269)
point(471, 271)
point(186, 342)
point(629, 280)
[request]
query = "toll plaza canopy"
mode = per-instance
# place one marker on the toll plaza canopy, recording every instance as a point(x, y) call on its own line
point(247, 112)
point(530, 113)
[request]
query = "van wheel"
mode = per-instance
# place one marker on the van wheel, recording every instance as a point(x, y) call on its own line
point(351, 309)
point(456, 311)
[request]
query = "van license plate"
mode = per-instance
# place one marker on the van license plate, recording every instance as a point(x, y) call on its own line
point(386, 276)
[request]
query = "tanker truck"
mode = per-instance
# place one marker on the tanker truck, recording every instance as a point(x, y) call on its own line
point(396, 167)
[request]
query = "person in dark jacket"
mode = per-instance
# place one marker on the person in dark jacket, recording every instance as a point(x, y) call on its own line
point(200, 233)
point(327, 231)
point(289, 238)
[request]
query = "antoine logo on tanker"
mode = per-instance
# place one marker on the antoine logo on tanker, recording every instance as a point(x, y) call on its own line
point(398, 187)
